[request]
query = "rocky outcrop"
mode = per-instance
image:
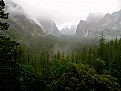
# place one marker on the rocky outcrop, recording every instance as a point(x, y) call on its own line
point(49, 26)
point(110, 24)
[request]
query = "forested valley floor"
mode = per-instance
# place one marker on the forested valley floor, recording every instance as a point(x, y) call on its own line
point(90, 69)
point(95, 67)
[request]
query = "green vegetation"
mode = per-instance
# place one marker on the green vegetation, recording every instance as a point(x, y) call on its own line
point(92, 69)
point(84, 69)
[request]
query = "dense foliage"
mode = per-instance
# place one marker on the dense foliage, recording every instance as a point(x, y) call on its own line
point(87, 69)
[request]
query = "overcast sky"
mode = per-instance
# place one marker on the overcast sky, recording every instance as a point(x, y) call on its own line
point(68, 11)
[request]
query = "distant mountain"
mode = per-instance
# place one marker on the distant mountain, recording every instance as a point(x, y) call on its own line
point(49, 26)
point(94, 17)
point(25, 30)
point(19, 15)
point(69, 30)
point(92, 27)
point(82, 28)
point(13, 8)
point(20, 21)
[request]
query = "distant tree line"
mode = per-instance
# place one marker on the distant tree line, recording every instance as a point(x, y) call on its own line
point(91, 69)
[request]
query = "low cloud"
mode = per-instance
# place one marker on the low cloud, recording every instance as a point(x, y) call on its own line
point(119, 3)
point(63, 11)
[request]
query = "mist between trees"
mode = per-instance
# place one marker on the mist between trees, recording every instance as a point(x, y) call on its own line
point(80, 66)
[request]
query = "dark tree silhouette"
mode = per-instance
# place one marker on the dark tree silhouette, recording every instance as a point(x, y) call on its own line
point(8, 56)
point(3, 24)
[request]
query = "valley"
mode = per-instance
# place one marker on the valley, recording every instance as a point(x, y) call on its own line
point(36, 56)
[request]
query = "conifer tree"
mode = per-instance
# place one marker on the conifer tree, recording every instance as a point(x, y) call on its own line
point(101, 46)
point(3, 24)
point(8, 56)
point(58, 54)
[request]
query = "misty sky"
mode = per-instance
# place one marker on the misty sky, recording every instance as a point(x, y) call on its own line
point(68, 11)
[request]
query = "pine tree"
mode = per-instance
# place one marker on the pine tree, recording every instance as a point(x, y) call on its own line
point(3, 24)
point(8, 56)
point(58, 54)
point(101, 46)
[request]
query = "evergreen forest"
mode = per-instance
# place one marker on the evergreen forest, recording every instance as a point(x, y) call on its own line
point(95, 67)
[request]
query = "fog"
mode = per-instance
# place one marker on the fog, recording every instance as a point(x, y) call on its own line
point(66, 11)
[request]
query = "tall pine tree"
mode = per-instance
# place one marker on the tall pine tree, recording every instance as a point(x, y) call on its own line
point(3, 16)
point(8, 56)
point(101, 47)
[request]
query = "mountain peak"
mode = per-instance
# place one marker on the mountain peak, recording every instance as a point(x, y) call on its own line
point(95, 23)
point(48, 25)
point(12, 7)
point(94, 17)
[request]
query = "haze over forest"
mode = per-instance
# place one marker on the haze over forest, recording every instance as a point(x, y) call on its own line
point(60, 45)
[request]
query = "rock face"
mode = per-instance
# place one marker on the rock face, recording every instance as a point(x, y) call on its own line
point(82, 28)
point(93, 26)
point(26, 31)
point(13, 8)
point(49, 26)
point(20, 21)
point(94, 17)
